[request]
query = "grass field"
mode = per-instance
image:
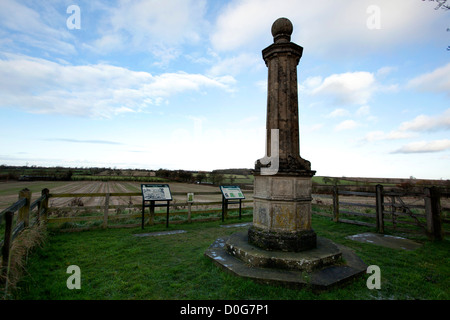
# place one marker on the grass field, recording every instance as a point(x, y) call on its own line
point(116, 265)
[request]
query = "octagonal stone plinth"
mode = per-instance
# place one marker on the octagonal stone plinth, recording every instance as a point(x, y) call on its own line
point(329, 265)
point(282, 213)
point(325, 253)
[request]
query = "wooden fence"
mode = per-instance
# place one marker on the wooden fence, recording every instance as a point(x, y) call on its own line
point(102, 215)
point(24, 213)
point(17, 217)
point(387, 209)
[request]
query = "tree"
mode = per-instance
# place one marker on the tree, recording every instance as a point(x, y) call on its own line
point(441, 4)
point(201, 176)
point(216, 178)
point(184, 176)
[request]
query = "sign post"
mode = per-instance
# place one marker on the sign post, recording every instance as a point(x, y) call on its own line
point(190, 200)
point(152, 193)
point(230, 195)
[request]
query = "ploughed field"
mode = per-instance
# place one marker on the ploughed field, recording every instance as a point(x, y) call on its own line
point(9, 192)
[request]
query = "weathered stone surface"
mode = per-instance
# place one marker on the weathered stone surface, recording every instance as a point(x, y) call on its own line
point(282, 58)
point(385, 240)
point(282, 213)
point(326, 253)
point(282, 201)
point(282, 241)
point(159, 233)
point(327, 277)
point(281, 30)
point(282, 187)
point(281, 247)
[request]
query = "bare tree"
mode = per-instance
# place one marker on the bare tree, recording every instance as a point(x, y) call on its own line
point(441, 4)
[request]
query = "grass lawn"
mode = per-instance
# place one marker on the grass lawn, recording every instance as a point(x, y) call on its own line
point(115, 265)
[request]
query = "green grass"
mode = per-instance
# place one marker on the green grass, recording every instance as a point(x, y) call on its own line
point(117, 265)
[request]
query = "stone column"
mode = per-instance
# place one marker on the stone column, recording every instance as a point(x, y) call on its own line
point(282, 198)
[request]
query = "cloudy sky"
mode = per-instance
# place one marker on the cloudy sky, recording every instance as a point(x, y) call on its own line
point(181, 84)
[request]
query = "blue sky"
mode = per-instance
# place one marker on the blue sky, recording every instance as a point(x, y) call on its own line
point(181, 84)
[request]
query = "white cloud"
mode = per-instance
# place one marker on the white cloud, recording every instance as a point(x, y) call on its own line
point(436, 81)
point(427, 123)
point(381, 135)
point(363, 111)
point(409, 129)
point(347, 125)
point(338, 113)
point(425, 146)
point(308, 128)
point(100, 90)
point(326, 27)
point(236, 64)
point(152, 25)
point(25, 26)
point(345, 88)
point(384, 71)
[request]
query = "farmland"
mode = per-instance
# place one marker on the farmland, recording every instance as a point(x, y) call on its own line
point(9, 191)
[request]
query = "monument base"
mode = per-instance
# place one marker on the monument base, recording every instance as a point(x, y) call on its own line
point(282, 241)
point(282, 213)
point(323, 267)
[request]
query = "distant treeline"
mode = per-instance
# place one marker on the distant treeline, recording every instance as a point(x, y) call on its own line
point(26, 173)
point(33, 173)
point(215, 177)
point(240, 171)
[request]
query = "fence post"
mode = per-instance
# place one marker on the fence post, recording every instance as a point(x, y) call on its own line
point(152, 213)
point(336, 203)
point(190, 199)
point(380, 208)
point(106, 211)
point(393, 211)
point(24, 212)
point(44, 204)
point(189, 212)
point(6, 246)
point(433, 213)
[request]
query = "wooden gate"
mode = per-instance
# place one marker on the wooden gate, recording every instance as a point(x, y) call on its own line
point(396, 210)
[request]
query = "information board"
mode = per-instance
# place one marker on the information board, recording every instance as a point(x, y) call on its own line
point(156, 192)
point(232, 192)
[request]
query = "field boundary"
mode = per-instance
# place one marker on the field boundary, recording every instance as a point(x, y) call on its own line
point(112, 212)
point(386, 209)
point(28, 215)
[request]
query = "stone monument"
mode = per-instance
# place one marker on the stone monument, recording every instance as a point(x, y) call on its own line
point(281, 247)
point(282, 198)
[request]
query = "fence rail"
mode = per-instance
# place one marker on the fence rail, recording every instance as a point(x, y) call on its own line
point(390, 208)
point(107, 216)
point(27, 214)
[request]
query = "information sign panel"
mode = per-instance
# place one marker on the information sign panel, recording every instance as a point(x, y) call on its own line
point(156, 192)
point(232, 192)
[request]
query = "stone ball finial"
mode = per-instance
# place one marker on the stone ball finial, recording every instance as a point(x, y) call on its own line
point(281, 30)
